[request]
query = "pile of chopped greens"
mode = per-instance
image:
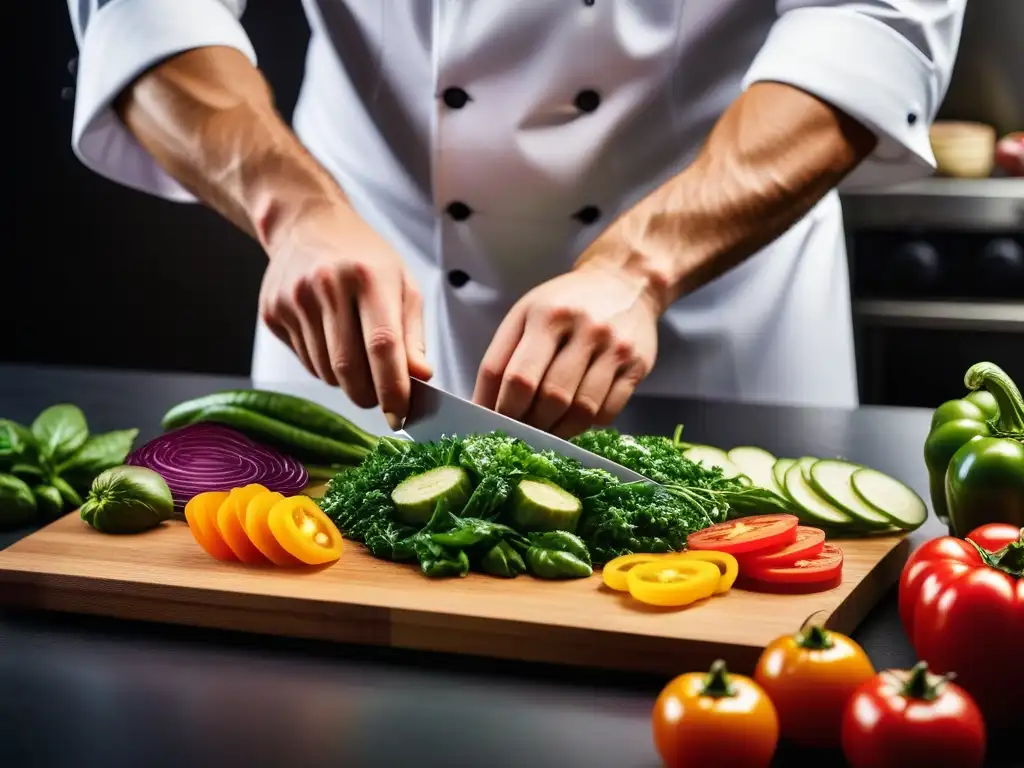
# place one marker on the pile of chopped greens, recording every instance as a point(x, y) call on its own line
point(617, 518)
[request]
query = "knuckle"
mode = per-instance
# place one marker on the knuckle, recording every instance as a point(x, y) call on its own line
point(357, 274)
point(600, 332)
point(490, 373)
point(585, 407)
point(623, 351)
point(520, 382)
point(557, 395)
point(322, 278)
point(382, 340)
point(556, 314)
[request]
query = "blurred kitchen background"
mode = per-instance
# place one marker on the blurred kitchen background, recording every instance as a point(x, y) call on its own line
point(96, 275)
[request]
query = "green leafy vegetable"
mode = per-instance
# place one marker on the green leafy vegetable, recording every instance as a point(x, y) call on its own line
point(503, 560)
point(60, 430)
point(48, 500)
point(17, 504)
point(97, 454)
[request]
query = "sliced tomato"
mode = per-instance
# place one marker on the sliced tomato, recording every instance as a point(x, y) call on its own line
point(229, 523)
point(258, 529)
point(304, 531)
point(824, 566)
point(809, 542)
point(761, 533)
point(673, 582)
point(201, 516)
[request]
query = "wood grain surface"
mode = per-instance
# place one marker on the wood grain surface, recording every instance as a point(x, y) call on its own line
point(164, 576)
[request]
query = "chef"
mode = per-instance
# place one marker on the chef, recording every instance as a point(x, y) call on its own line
point(546, 205)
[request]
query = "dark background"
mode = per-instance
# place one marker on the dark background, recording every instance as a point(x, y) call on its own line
point(95, 274)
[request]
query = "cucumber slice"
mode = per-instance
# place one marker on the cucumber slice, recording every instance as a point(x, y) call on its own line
point(806, 462)
point(779, 473)
point(540, 505)
point(889, 496)
point(713, 457)
point(814, 509)
point(756, 463)
point(831, 478)
point(416, 497)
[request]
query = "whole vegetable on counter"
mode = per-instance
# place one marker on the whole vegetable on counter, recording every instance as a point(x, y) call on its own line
point(898, 719)
point(46, 467)
point(211, 457)
point(294, 425)
point(962, 605)
point(127, 500)
point(715, 718)
point(810, 677)
point(974, 453)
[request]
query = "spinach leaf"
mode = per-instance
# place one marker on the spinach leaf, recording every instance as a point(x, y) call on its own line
point(60, 430)
point(98, 454)
point(69, 494)
point(17, 503)
point(557, 555)
point(503, 560)
point(17, 444)
point(49, 500)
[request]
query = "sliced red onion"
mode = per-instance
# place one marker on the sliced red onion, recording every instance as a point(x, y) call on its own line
point(211, 457)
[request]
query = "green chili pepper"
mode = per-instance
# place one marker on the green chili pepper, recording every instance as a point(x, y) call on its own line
point(503, 560)
point(984, 481)
point(954, 423)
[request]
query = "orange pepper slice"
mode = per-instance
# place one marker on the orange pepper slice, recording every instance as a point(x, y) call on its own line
point(304, 531)
point(201, 516)
point(229, 523)
point(258, 530)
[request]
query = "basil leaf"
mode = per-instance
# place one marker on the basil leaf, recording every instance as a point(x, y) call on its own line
point(17, 504)
point(17, 444)
point(99, 453)
point(61, 430)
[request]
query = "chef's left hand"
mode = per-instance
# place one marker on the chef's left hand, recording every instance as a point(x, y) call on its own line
point(571, 352)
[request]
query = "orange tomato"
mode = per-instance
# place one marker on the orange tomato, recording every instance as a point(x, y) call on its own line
point(258, 530)
point(715, 719)
point(229, 523)
point(304, 531)
point(201, 516)
point(810, 677)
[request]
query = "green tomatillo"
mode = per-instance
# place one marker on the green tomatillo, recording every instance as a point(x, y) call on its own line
point(984, 477)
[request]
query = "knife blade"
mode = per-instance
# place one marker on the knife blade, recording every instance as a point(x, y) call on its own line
point(434, 413)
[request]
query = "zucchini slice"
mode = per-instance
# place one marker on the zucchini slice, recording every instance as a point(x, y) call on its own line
point(416, 497)
point(887, 495)
point(814, 509)
point(540, 505)
point(710, 456)
point(779, 470)
point(756, 463)
point(806, 462)
point(832, 479)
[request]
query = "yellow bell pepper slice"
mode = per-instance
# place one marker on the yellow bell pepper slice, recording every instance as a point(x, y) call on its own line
point(304, 531)
point(615, 571)
point(728, 566)
point(673, 582)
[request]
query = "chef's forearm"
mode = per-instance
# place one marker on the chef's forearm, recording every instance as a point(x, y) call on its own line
point(771, 157)
point(207, 116)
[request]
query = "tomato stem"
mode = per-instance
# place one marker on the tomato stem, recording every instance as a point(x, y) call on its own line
point(1009, 559)
point(815, 638)
point(717, 684)
point(922, 684)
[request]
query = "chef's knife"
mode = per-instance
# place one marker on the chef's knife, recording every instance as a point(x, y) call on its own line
point(434, 413)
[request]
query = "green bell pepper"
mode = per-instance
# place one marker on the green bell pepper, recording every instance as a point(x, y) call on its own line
point(954, 423)
point(985, 477)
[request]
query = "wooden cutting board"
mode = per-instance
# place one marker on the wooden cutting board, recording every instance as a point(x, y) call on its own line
point(163, 576)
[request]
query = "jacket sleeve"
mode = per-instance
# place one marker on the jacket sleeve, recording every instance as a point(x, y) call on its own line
point(118, 40)
point(886, 63)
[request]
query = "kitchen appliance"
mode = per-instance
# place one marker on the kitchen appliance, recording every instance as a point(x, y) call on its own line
point(937, 277)
point(434, 413)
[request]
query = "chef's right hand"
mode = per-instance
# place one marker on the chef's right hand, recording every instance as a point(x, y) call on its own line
point(343, 300)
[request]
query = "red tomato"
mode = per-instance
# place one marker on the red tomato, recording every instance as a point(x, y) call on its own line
point(965, 614)
point(748, 534)
point(899, 718)
point(809, 542)
point(824, 566)
point(994, 536)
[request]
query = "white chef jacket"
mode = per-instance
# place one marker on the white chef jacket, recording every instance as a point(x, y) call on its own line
point(491, 141)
